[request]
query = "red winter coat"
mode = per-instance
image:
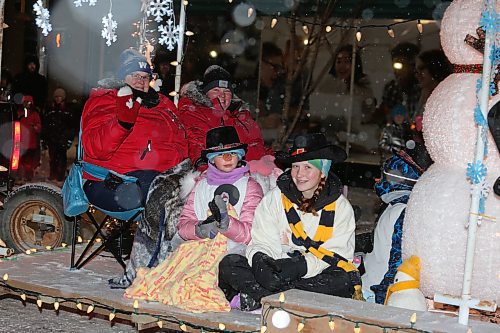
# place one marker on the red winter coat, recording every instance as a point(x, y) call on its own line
point(31, 126)
point(199, 116)
point(110, 145)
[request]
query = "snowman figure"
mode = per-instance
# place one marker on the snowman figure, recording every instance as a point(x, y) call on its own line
point(439, 208)
point(405, 292)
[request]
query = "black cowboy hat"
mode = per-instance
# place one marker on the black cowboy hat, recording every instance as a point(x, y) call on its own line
point(310, 147)
point(222, 139)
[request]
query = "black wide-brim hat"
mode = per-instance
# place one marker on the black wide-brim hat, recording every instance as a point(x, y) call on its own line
point(311, 147)
point(221, 139)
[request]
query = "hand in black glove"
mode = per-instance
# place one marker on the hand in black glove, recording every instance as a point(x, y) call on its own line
point(266, 271)
point(206, 230)
point(292, 269)
point(218, 207)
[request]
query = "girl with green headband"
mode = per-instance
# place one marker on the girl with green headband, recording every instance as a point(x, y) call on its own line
point(302, 233)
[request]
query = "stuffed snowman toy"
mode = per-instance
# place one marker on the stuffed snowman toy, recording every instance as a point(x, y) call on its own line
point(439, 208)
point(405, 292)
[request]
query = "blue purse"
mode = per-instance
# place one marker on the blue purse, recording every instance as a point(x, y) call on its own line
point(75, 201)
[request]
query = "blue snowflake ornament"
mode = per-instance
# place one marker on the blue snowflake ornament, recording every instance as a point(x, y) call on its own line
point(476, 172)
point(489, 21)
point(479, 117)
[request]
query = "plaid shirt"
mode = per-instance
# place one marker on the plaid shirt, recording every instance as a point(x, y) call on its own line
point(409, 97)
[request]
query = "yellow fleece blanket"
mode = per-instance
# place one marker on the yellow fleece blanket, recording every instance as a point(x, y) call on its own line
point(187, 279)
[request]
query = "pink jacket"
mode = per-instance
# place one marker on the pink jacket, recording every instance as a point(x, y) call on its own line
point(239, 230)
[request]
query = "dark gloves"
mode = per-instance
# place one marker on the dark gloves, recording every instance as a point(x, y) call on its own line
point(266, 271)
point(292, 269)
point(127, 107)
point(218, 207)
point(206, 230)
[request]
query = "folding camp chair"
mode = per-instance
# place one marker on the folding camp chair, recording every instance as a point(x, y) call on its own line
point(111, 237)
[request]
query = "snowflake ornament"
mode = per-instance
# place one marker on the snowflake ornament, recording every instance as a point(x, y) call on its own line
point(78, 3)
point(476, 172)
point(160, 8)
point(109, 29)
point(169, 34)
point(42, 17)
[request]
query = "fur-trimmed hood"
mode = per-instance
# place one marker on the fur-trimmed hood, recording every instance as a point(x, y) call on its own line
point(193, 91)
point(110, 83)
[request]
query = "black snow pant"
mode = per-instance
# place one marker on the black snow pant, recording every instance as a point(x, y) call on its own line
point(236, 276)
point(58, 162)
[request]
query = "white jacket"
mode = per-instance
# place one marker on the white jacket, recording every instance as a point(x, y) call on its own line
point(272, 235)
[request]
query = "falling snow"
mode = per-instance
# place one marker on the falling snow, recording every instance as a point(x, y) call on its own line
point(109, 29)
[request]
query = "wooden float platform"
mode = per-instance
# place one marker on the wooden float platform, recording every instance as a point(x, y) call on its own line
point(48, 274)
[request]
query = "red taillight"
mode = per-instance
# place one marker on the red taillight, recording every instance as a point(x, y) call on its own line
point(16, 146)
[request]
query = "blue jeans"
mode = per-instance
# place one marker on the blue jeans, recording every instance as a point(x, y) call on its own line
point(125, 197)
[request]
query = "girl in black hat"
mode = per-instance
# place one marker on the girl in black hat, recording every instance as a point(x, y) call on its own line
point(302, 234)
point(225, 197)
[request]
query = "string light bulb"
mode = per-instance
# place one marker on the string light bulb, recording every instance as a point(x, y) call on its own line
point(28, 252)
point(39, 302)
point(357, 329)
point(263, 329)
point(23, 296)
point(185, 2)
point(112, 315)
point(189, 33)
point(174, 63)
point(90, 308)
point(222, 327)
point(56, 305)
point(159, 323)
point(305, 29)
point(282, 297)
point(300, 326)
point(79, 239)
point(183, 327)
point(390, 32)
point(358, 35)
point(172, 93)
point(413, 319)
point(420, 27)
point(136, 305)
point(331, 324)
point(64, 245)
point(48, 247)
point(274, 21)
point(79, 306)
point(249, 11)
point(5, 277)
point(328, 28)
point(469, 330)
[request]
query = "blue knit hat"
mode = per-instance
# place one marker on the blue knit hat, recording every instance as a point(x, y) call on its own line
point(398, 109)
point(132, 61)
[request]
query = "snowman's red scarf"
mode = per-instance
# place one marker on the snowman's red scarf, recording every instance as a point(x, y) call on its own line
point(474, 68)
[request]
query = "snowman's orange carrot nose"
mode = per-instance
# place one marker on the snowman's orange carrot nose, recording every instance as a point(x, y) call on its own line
point(227, 156)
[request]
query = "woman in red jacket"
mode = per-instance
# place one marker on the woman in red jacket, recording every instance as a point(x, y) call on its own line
point(211, 103)
point(131, 129)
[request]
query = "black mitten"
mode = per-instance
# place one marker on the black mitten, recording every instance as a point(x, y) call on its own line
point(292, 269)
point(266, 271)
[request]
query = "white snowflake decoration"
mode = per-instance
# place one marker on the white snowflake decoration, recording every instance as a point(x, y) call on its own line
point(109, 30)
point(78, 3)
point(42, 17)
point(169, 34)
point(160, 8)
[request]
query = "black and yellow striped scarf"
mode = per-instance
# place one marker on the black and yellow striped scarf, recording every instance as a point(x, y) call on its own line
point(323, 233)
